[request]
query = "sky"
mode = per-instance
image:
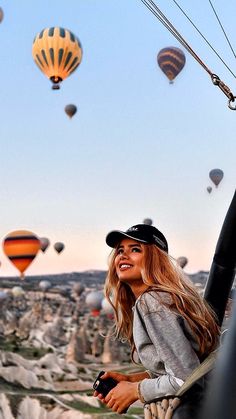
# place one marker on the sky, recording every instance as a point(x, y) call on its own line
point(137, 147)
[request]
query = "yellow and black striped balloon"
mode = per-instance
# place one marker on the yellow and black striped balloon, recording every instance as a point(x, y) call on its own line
point(57, 52)
point(21, 247)
point(171, 60)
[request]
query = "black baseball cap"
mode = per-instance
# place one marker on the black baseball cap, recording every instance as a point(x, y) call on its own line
point(143, 233)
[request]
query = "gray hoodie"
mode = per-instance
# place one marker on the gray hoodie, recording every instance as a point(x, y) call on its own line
point(165, 345)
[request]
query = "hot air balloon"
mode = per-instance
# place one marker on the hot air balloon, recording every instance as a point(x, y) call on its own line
point(182, 261)
point(45, 285)
point(107, 307)
point(21, 247)
point(209, 189)
point(70, 110)
point(78, 289)
point(44, 243)
point(57, 52)
point(216, 175)
point(171, 60)
point(1, 15)
point(58, 246)
point(147, 221)
point(3, 295)
point(17, 291)
point(94, 302)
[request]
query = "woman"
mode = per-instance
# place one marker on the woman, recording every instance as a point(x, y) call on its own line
point(168, 325)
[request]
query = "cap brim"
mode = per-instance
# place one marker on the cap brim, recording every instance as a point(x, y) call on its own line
point(114, 238)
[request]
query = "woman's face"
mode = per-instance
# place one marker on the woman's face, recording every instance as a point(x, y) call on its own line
point(129, 260)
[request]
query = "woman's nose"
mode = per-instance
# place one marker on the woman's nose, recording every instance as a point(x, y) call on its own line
point(124, 255)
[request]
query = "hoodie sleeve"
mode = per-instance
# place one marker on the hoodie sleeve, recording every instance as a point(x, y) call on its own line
point(164, 348)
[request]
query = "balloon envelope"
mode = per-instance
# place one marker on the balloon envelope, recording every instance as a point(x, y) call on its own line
point(44, 243)
point(58, 246)
point(45, 285)
point(78, 288)
point(57, 52)
point(147, 221)
point(182, 261)
point(1, 14)
point(17, 291)
point(3, 295)
point(94, 300)
point(216, 175)
point(209, 189)
point(21, 247)
point(107, 307)
point(70, 110)
point(171, 61)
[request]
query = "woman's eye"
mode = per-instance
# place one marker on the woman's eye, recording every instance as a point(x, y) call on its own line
point(119, 251)
point(136, 249)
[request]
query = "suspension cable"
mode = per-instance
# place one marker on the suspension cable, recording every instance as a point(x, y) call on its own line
point(224, 32)
point(163, 19)
point(205, 39)
point(150, 4)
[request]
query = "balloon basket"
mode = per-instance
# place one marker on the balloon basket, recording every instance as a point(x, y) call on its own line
point(55, 87)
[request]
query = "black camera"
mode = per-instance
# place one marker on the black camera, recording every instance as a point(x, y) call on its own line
point(104, 386)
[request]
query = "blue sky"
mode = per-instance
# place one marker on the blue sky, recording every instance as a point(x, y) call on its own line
point(138, 147)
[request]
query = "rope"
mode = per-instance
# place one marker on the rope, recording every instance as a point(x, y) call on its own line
point(163, 19)
point(205, 39)
point(226, 37)
point(150, 4)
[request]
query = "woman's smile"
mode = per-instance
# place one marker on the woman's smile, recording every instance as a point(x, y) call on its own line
point(124, 266)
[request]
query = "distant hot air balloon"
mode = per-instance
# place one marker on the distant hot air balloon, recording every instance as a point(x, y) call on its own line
point(209, 189)
point(147, 221)
point(45, 285)
point(17, 291)
point(94, 302)
point(44, 243)
point(58, 246)
point(21, 247)
point(107, 307)
point(216, 175)
point(171, 60)
point(1, 15)
point(70, 110)
point(3, 295)
point(57, 52)
point(78, 288)
point(182, 261)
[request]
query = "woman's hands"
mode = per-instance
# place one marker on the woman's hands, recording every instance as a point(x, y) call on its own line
point(111, 374)
point(123, 394)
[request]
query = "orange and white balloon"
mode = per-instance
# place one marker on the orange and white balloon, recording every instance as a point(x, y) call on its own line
point(21, 247)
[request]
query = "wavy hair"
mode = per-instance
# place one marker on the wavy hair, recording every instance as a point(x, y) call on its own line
point(160, 274)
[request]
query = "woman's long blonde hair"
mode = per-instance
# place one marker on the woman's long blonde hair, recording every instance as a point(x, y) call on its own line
point(160, 274)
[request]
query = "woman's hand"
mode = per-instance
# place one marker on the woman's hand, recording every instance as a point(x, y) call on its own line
point(111, 374)
point(122, 396)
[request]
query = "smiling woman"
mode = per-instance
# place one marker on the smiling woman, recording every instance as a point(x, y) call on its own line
point(170, 328)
